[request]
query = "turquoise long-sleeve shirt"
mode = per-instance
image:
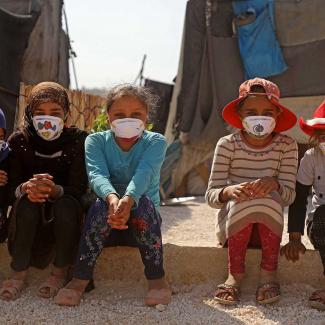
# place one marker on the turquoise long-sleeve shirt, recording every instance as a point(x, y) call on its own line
point(135, 172)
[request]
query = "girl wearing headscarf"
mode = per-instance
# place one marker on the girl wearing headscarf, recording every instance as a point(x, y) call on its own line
point(47, 178)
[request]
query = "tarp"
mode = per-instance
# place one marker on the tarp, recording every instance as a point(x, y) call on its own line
point(46, 57)
point(159, 117)
point(15, 29)
point(34, 48)
point(212, 69)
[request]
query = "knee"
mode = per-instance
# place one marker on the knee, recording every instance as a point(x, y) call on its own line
point(98, 211)
point(27, 211)
point(146, 211)
point(67, 211)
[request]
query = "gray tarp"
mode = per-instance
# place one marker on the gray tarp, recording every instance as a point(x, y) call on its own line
point(159, 117)
point(14, 33)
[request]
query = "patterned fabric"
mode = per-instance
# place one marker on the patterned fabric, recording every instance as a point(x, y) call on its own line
point(144, 222)
point(237, 246)
point(236, 162)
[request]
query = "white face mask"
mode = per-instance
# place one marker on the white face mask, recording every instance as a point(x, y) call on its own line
point(127, 128)
point(322, 147)
point(259, 126)
point(48, 127)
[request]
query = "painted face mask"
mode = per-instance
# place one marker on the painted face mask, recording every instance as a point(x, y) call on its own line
point(48, 127)
point(127, 128)
point(259, 126)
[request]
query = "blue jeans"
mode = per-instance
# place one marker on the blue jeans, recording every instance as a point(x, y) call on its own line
point(144, 225)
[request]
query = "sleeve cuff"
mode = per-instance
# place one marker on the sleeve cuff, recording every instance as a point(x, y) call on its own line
point(18, 191)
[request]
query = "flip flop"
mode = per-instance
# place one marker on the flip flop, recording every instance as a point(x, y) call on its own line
point(317, 300)
point(158, 297)
point(53, 283)
point(269, 287)
point(13, 288)
point(232, 290)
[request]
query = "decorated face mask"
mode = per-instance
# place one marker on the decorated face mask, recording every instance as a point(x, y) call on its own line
point(259, 126)
point(127, 128)
point(48, 127)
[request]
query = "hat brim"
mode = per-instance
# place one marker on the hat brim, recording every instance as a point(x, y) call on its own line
point(310, 129)
point(285, 121)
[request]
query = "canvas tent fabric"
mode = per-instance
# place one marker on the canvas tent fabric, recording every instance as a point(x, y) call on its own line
point(47, 54)
point(34, 48)
point(212, 71)
point(17, 19)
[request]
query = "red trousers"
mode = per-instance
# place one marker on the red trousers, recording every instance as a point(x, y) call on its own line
point(258, 235)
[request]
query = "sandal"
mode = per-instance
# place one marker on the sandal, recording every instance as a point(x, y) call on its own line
point(232, 290)
point(68, 297)
point(273, 287)
point(317, 300)
point(158, 297)
point(11, 289)
point(53, 284)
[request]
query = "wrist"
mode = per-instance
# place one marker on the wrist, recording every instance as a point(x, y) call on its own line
point(111, 197)
point(129, 199)
point(223, 195)
point(295, 236)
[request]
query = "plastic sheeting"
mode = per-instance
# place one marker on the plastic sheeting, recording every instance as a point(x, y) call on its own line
point(15, 29)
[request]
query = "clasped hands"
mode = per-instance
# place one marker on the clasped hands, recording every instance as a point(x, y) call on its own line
point(119, 211)
point(40, 188)
point(250, 190)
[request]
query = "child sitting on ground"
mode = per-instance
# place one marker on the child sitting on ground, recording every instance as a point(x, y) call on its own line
point(252, 178)
point(311, 173)
point(123, 166)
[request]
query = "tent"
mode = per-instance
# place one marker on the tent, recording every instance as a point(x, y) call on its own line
point(33, 48)
point(211, 70)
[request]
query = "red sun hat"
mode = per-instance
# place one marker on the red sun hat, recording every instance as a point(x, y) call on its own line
point(316, 123)
point(286, 119)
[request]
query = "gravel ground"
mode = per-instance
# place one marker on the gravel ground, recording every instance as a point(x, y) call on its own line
point(122, 303)
point(117, 304)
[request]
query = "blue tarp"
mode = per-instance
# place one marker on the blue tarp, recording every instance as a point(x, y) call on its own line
point(259, 48)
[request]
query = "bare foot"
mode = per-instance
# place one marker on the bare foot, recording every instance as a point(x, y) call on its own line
point(159, 293)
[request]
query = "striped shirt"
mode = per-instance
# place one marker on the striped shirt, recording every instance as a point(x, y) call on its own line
point(236, 162)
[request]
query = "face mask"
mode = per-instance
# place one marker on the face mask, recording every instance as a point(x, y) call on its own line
point(322, 147)
point(259, 126)
point(127, 128)
point(48, 127)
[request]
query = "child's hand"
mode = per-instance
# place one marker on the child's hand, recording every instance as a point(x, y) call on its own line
point(292, 249)
point(263, 186)
point(3, 178)
point(239, 193)
point(122, 214)
point(39, 188)
point(112, 202)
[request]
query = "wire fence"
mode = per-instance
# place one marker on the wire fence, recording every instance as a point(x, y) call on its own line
point(84, 108)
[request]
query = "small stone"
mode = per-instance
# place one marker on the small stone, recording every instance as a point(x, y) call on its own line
point(161, 307)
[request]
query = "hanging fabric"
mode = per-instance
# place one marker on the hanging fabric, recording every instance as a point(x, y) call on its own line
point(259, 48)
